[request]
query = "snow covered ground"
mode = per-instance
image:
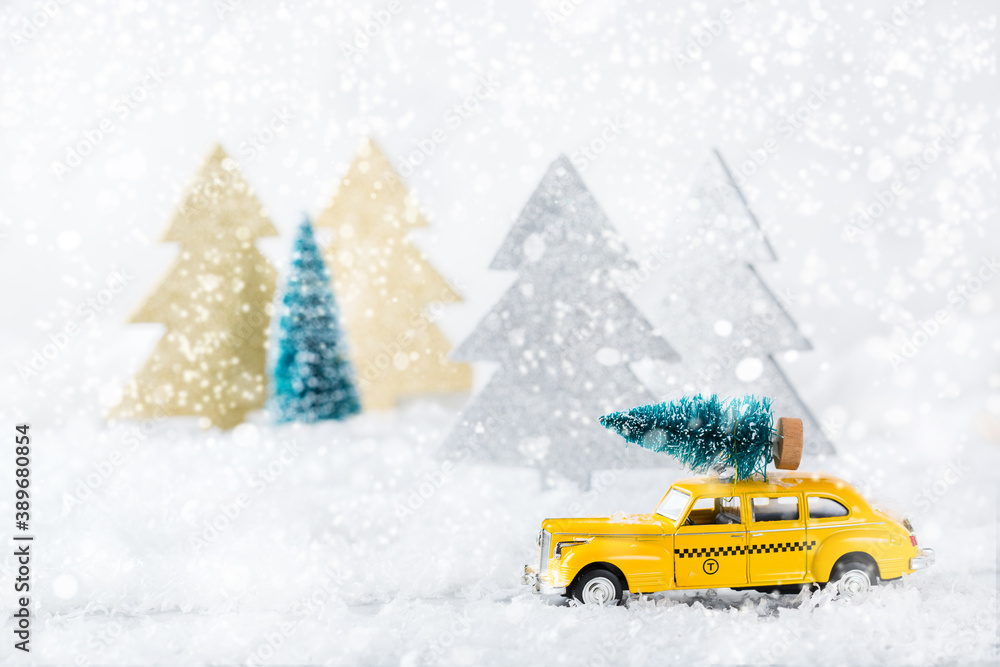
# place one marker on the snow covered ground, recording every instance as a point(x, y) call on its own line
point(353, 544)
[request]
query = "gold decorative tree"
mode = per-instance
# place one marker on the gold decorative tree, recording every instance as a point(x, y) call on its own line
point(215, 302)
point(386, 289)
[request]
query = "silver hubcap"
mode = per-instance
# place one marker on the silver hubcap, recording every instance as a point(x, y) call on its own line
point(599, 591)
point(854, 583)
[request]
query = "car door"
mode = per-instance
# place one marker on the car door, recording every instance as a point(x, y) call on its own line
point(826, 517)
point(710, 545)
point(777, 538)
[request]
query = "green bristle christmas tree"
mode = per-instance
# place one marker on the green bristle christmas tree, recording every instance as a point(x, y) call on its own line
point(703, 432)
point(313, 379)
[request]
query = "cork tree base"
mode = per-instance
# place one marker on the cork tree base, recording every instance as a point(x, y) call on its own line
point(788, 449)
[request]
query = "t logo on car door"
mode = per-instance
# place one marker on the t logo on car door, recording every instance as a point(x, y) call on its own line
point(712, 533)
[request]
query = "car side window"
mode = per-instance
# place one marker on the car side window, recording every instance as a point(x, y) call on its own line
point(701, 511)
point(728, 510)
point(714, 511)
point(825, 508)
point(776, 508)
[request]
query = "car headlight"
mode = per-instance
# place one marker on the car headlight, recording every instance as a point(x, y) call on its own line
point(546, 542)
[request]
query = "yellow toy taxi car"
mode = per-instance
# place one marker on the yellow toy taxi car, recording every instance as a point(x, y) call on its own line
point(707, 532)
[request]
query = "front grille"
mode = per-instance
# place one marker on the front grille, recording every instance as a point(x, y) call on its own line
point(543, 566)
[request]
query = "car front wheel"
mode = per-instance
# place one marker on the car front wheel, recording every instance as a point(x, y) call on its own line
point(853, 578)
point(600, 587)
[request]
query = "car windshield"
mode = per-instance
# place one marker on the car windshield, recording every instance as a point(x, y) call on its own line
point(673, 503)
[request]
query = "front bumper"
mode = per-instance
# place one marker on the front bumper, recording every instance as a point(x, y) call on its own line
point(924, 558)
point(531, 578)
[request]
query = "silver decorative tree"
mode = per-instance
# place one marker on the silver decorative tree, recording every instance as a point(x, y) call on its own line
point(722, 318)
point(563, 336)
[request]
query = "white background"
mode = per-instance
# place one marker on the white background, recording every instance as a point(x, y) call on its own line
point(228, 69)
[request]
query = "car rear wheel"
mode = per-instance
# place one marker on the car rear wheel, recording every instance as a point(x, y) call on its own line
point(599, 587)
point(854, 578)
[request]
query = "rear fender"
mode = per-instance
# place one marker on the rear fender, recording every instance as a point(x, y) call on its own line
point(870, 542)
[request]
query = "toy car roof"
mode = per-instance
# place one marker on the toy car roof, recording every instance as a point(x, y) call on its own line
point(776, 481)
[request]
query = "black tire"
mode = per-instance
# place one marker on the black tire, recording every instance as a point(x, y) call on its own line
point(598, 586)
point(849, 577)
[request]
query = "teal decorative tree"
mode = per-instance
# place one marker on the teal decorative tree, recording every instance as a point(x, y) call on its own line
point(703, 433)
point(313, 378)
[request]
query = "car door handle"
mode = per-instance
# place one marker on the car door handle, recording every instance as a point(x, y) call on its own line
point(756, 534)
point(736, 535)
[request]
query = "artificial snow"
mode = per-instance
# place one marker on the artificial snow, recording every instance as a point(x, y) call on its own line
point(353, 543)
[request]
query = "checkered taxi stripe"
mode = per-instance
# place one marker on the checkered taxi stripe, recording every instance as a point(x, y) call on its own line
point(777, 547)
